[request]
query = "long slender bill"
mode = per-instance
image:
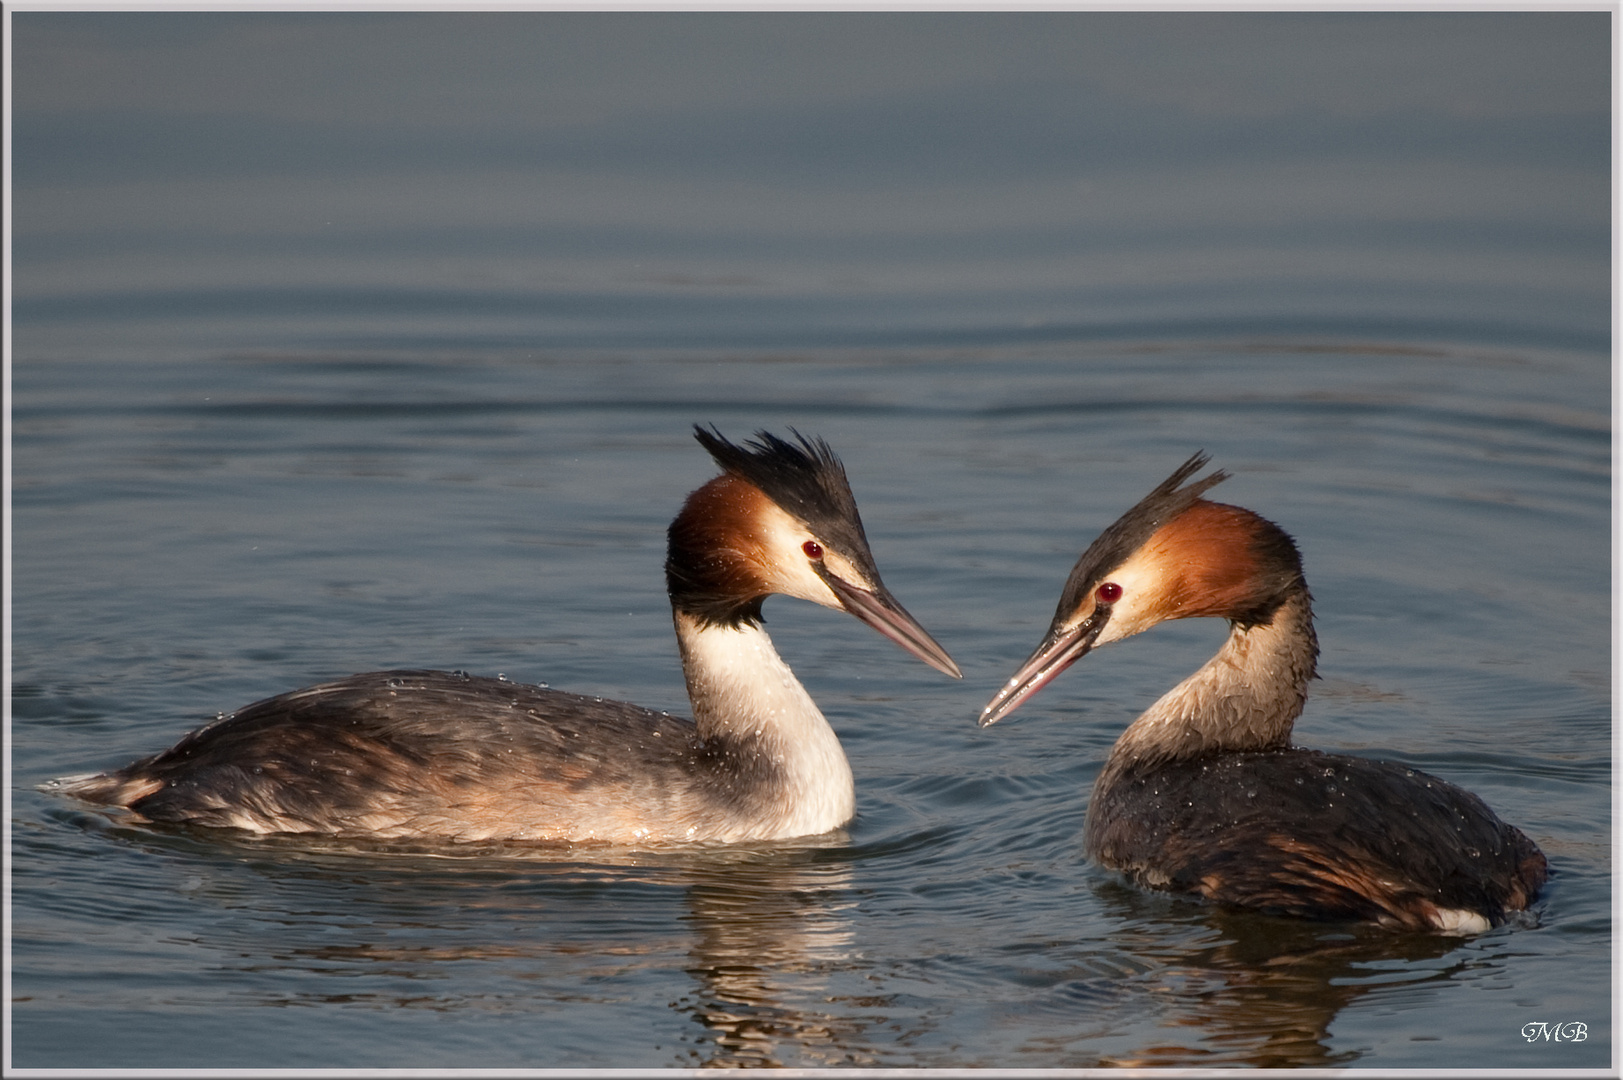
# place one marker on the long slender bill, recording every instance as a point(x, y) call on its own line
point(881, 611)
point(1059, 650)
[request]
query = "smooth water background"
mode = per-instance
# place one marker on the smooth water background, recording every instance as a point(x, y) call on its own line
point(349, 342)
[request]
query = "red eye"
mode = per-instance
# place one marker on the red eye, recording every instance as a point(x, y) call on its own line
point(813, 549)
point(1108, 593)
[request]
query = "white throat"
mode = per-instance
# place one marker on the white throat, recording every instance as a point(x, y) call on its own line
point(742, 692)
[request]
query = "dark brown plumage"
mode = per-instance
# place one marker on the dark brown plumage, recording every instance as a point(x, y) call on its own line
point(1298, 832)
point(374, 755)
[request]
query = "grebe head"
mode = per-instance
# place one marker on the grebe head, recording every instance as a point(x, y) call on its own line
point(781, 519)
point(1172, 556)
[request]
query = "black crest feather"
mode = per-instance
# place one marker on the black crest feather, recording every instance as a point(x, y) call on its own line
point(1129, 532)
point(806, 479)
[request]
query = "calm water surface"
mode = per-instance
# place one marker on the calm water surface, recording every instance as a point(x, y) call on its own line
point(304, 386)
point(190, 538)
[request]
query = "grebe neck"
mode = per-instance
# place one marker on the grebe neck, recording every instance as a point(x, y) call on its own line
point(1246, 697)
point(746, 701)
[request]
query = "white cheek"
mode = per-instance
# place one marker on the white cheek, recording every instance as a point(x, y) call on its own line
point(789, 570)
point(1132, 613)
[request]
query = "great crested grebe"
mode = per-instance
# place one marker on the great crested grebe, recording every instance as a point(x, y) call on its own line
point(431, 754)
point(1204, 794)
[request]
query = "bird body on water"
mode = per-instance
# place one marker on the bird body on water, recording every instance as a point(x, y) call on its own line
point(1204, 794)
point(433, 754)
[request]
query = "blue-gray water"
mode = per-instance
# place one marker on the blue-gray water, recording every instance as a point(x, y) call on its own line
point(343, 343)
